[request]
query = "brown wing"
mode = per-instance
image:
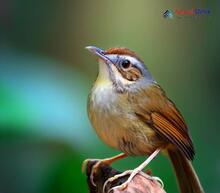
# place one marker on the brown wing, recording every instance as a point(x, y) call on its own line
point(161, 114)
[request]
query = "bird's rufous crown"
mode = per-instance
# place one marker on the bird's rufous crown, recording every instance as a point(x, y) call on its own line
point(122, 51)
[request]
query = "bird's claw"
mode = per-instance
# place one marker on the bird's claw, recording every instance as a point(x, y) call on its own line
point(94, 168)
point(112, 179)
point(132, 173)
point(119, 187)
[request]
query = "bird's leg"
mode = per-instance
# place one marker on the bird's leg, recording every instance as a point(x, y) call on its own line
point(132, 173)
point(107, 161)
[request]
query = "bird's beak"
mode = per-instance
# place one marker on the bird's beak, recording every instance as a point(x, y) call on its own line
point(99, 52)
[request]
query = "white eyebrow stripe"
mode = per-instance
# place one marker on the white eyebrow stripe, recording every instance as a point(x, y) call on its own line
point(133, 60)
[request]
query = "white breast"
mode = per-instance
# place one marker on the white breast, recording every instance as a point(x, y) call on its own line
point(103, 96)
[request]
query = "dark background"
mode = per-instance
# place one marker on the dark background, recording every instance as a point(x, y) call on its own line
point(46, 74)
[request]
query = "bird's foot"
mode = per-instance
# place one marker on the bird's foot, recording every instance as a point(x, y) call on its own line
point(95, 167)
point(106, 161)
point(112, 179)
point(132, 174)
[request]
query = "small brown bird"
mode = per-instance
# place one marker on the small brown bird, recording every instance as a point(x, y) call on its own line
point(131, 112)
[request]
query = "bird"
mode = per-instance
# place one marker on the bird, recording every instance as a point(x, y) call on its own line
point(132, 113)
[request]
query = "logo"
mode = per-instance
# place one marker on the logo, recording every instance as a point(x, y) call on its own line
point(186, 13)
point(168, 14)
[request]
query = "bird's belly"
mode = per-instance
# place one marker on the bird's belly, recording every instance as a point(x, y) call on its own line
point(117, 125)
point(124, 131)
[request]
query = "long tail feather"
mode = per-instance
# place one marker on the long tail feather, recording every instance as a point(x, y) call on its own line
point(186, 176)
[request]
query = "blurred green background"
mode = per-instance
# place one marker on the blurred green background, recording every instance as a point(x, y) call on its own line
point(46, 75)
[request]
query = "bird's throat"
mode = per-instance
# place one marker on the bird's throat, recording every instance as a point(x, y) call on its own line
point(103, 78)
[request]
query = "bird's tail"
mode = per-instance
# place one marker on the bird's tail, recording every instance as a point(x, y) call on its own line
point(186, 176)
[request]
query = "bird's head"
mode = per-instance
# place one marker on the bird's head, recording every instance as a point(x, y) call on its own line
point(122, 68)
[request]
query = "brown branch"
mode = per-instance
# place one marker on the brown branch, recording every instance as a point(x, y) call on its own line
point(139, 184)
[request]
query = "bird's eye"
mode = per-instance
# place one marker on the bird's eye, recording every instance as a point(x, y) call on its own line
point(125, 64)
